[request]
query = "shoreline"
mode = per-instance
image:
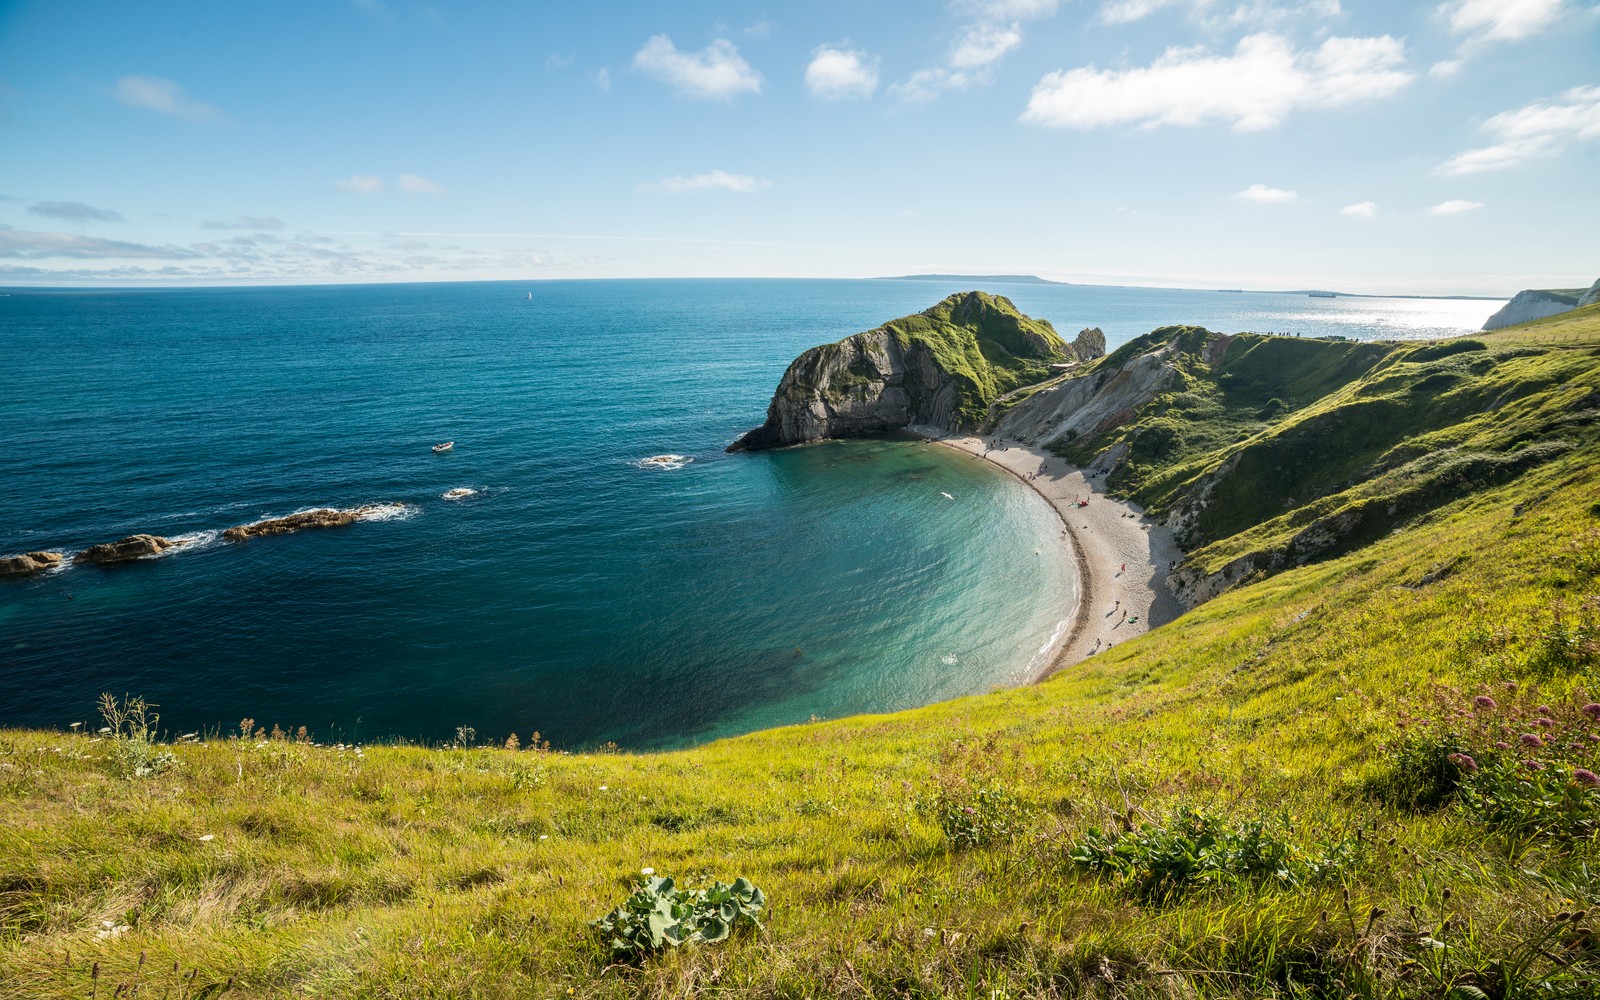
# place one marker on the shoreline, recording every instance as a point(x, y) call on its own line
point(1122, 556)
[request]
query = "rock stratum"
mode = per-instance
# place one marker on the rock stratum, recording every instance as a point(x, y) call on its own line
point(28, 563)
point(941, 368)
point(1538, 303)
point(322, 517)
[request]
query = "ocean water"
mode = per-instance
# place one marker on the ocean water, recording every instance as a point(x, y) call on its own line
point(582, 590)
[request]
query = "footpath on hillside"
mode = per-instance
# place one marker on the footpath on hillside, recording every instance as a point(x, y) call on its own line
point(1123, 557)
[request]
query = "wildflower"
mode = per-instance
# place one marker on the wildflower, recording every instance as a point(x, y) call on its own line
point(603, 788)
point(1545, 723)
point(1544, 710)
point(544, 836)
point(1592, 710)
point(1465, 762)
point(1530, 740)
point(647, 871)
point(1501, 745)
point(1511, 685)
point(1533, 765)
point(1483, 701)
point(1583, 776)
point(968, 810)
point(208, 838)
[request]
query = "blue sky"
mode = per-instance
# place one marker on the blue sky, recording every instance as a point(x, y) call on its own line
point(1434, 148)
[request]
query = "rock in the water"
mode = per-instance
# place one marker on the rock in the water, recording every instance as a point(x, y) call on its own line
point(939, 368)
point(29, 562)
point(322, 517)
point(132, 547)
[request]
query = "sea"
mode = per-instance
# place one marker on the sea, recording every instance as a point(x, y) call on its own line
point(613, 577)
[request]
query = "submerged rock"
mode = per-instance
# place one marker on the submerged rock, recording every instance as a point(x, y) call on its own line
point(322, 517)
point(130, 548)
point(938, 368)
point(29, 562)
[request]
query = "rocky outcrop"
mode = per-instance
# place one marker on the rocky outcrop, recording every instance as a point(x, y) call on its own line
point(28, 563)
point(1591, 296)
point(322, 517)
point(1089, 405)
point(130, 548)
point(940, 368)
point(1536, 303)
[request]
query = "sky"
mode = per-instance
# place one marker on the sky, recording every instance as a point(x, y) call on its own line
point(1382, 147)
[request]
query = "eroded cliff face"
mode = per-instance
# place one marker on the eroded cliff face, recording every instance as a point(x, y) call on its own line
point(1537, 303)
point(940, 368)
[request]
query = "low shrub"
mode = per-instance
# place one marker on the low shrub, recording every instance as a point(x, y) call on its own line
point(659, 915)
point(131, 727)
point(1191, 850)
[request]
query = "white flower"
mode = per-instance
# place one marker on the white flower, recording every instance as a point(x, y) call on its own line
point(647, 871)
point(208, 838)
point(602, 788)
point(544, 836)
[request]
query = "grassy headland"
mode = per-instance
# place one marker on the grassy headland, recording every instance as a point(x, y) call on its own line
point(1296, 789)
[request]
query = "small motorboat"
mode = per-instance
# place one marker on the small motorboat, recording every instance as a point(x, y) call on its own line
point(440, 449)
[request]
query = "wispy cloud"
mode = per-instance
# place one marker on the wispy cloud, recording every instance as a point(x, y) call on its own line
point(73, 211)
point(1365, 209)
point(559, 60)
point(255, 222)
point(152, 93)
point(1263, 195)
point(361, 184)
point(990, 30)
point(414, 184)
point(715, 180)
point(715, 73)
point(30, 245)
point(1540, 129)
point(1502, 20)
point(1260, 84)
point(837, 73)
point(1206, 13)
point(1454, 207)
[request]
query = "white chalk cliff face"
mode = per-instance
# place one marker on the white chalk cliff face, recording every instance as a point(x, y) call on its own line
point(1537, 303)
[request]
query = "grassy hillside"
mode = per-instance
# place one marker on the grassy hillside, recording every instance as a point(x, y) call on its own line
point(1294, 790)
point(1274, 450)
point(984, 344)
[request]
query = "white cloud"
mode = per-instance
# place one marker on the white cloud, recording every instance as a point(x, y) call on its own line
point(1255, 88)
point(413, 184)
point(992, 29)
point(1128, 11)
point(30, 245)
point(1454, 207)
point(1501, 20)
point(602, 79)
point(152, 93)
point(1263, 195)
point(717, 72)
point(1366, 209)
point(1444, 69)
point(984, 44)
point(74, 211)
point(257, 223)
point(715, 180)
point(837, 73)
point(559, 60)
point(361, 184)
point(1537, 130)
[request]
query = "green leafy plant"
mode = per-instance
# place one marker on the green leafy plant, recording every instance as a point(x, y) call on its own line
point(974, 817)
point(131, 726)
point(659, 915)
point(1160, 861)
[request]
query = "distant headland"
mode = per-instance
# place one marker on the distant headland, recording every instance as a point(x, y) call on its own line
point(1014, 279)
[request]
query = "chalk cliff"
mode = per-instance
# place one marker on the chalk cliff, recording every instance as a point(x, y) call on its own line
point(941, 368)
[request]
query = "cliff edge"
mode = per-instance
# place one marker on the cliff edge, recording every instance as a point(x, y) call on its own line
point(942, 368)
point(1537, 303)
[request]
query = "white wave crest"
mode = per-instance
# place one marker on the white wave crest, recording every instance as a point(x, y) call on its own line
point(665, 462)
point(386, 512)
point(192, 541)
point(459, 493)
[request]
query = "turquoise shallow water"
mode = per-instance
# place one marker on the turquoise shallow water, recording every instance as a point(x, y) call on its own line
point(578, 593)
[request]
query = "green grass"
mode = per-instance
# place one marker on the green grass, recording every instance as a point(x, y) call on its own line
point(1287, 713)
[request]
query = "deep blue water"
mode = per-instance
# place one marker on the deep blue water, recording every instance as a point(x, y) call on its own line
point(578, 593)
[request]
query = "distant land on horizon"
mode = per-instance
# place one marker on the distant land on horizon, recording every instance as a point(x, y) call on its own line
point(1034, 279)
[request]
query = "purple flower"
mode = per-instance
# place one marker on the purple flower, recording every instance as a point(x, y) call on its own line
point(1484, 701)
point(1586, 777)
point(1544, 710)
point(1511, 685)
point(1501, 744)
point(968, 810)
point(1533, 765)
point(1530, 740)
point(1545, 723)
point(1592, 710)
point(1465, 762)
